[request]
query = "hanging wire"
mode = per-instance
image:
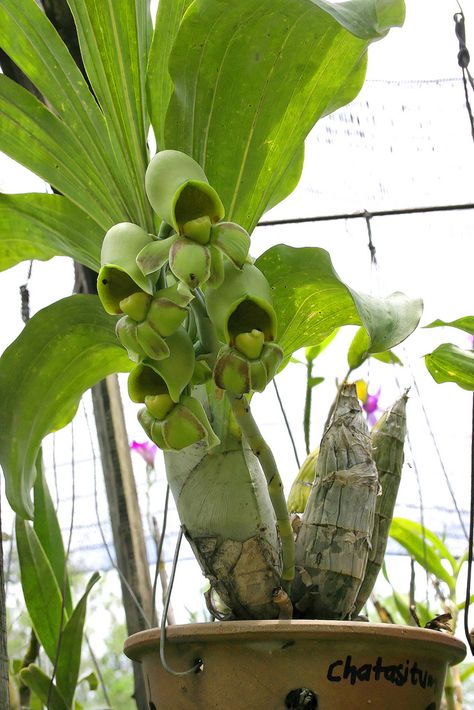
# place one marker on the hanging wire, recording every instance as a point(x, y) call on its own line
point(123, 579)
point(287, 424)
point(467, 630)
point(159, 552)
point(463, 61)
point(198, 664)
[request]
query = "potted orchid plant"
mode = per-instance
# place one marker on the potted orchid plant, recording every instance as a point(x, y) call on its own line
point(231, 90)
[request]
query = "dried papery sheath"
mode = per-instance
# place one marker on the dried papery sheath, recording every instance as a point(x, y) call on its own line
point(223, 504)
point(333, 543)
point(388, 437)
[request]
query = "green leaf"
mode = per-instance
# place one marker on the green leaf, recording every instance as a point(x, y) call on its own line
point(39, 140)
point(315, 350)
point(424, 547)
point(31, 41)
point(91, 680)
point(358, 352)
point(462, 605)
point(311, 301)
point(41, 591)
point(65, 349)
point(40, 683)
point(448, 363)
point(289, 179)
point(114, 38)
point(46, 527)
point(465, 323)
point(159, 84)
point(303, 64)
point(37, 226)
point(71, 644)
point(387, 357)
point(466, 671)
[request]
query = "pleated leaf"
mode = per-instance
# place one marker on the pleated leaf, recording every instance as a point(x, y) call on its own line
point(423, 546)
point(301, 63)
point(465, 323)
point(114, 38)
point(65, 349)
point(31, 41)
point(39, 683)
point(41, 591)
point(71, 644)
point(39, 140)
point(48, 531)
point(311, 301)
point(449, 363)
point(40, 226)
point(159, 85)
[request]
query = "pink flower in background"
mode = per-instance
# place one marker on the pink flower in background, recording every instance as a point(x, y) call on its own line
point(370, 402)
point(146, 450)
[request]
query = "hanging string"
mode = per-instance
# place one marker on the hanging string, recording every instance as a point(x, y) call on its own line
point(467, 630)
point(198, 665)
point(463, 61)
point(287, 424)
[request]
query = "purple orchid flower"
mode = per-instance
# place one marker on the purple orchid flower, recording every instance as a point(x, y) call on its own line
point(371, 407)
point(146, 450)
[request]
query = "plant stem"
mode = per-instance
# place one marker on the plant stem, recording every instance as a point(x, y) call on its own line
point(262, 451)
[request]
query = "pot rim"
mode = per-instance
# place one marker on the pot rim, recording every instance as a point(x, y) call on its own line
point(438, 642)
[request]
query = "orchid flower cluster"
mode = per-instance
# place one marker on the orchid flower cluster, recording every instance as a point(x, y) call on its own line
point(194, 309)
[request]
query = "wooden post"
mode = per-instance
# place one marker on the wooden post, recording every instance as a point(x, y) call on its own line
point(125, 516)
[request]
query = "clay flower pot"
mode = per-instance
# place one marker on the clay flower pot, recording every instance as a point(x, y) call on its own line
point(268, 665)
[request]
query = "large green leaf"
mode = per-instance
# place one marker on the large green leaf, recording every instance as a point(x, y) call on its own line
point(289, 179)
point(311, 301)
point(31, 41)
point(39, 140)
point(114, 38)
point(301, 64)
point(69, 660)
point(448, 363)
point(159, 85)
point(465, 323)
point(64, 349)
point(41, 590)
point(41, 685)
point(46, 527)
point(424, 547)
point(39, 226)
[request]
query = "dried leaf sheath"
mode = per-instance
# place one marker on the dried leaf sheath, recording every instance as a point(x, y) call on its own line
point(334, 540)
point(388, 437)
point(224, 507)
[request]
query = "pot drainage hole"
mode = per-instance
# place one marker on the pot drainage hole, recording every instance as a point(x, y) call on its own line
point(301, 699)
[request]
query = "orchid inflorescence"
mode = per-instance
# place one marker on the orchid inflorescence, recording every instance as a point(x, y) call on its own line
point(194, 308)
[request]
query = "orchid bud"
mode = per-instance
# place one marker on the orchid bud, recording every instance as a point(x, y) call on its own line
point(232, 240)
point(190, 262)
point(238, 374)
point(119, 276)
point(184, 424)
point(179, 192)
point(241, 304)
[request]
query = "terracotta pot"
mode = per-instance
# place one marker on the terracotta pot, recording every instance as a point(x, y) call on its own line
point(268, 665)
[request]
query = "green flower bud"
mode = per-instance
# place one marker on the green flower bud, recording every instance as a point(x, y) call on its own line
point(179, 191)
point(185, 424)
point(190, 262)
point(232, 240)
point(120, 276)
point(250, 344)
point(126, 330)
point(303, 484)
point(238, 374)
point(151, 342)
point(199, 230)
point(241, 304)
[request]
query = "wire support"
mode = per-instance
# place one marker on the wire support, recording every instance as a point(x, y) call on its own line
point(363, 215)
point(159, 552)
